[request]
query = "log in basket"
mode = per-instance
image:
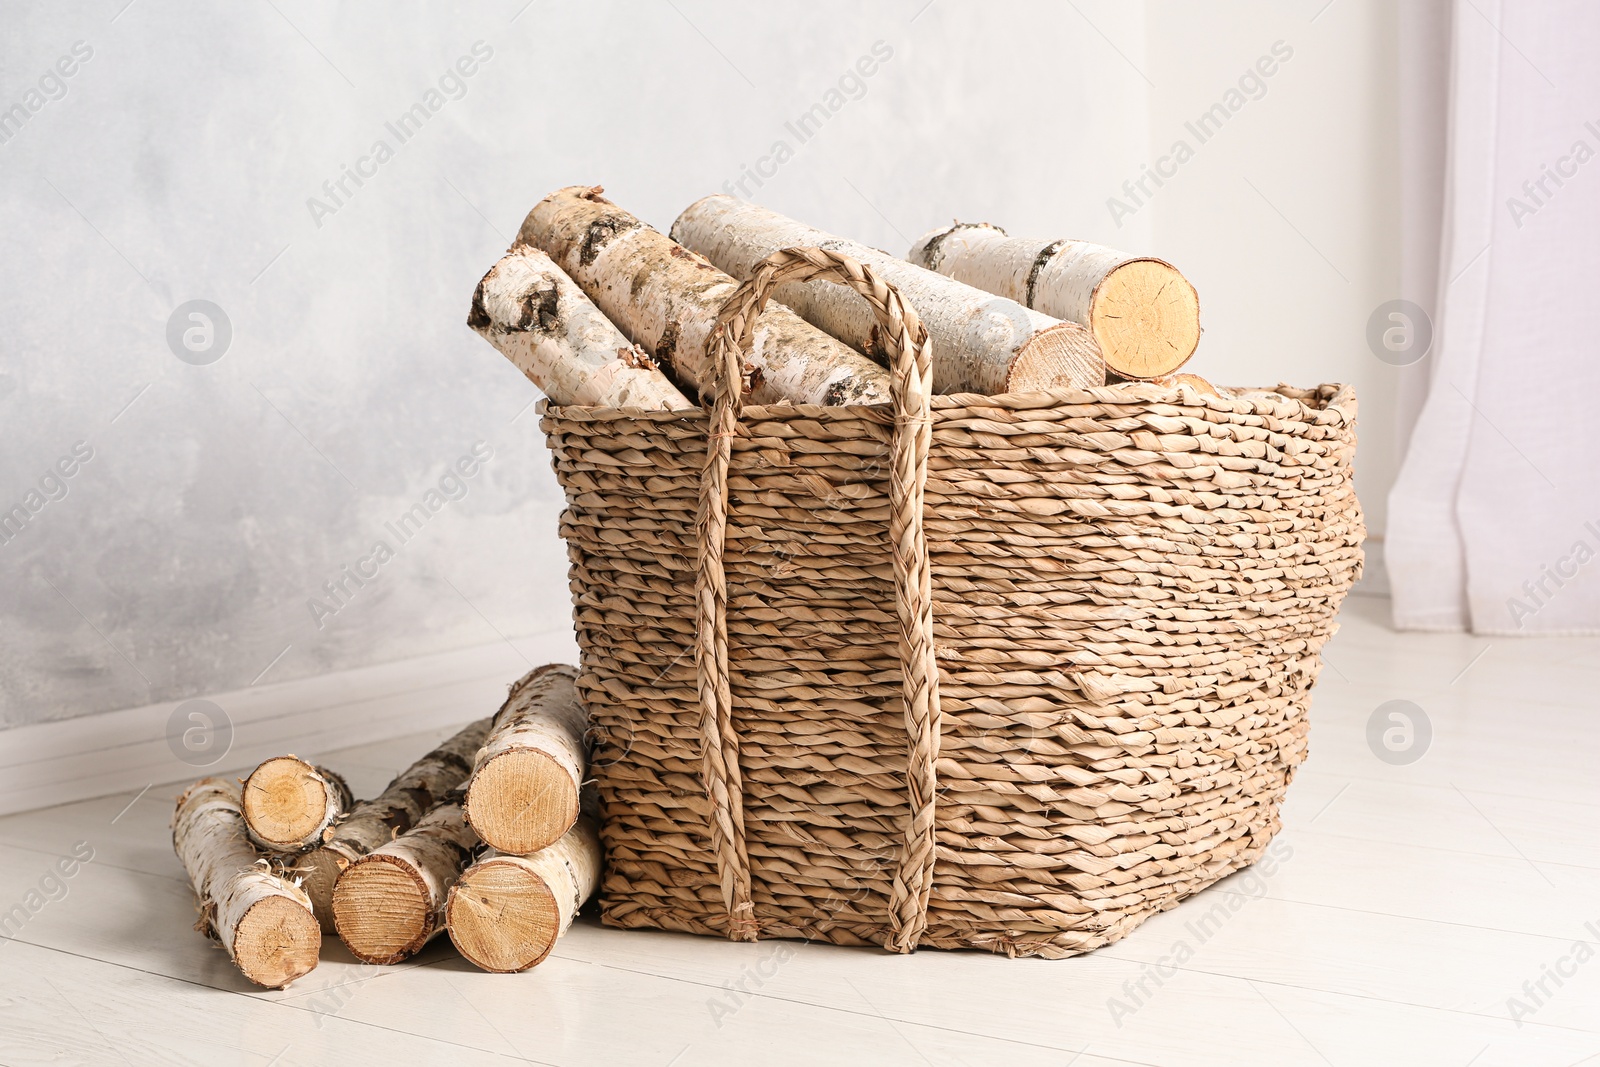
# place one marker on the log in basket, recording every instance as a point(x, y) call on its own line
point(1002, 672)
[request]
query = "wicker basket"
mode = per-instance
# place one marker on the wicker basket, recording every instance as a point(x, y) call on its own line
point(1010, 673)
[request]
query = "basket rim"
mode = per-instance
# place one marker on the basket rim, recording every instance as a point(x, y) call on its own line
point(1329, 402)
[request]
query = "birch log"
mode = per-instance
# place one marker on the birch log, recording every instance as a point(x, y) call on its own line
point(539, 319)
point(506, 912)
point(1193, 381)
point(375, 822)
point(289, 804)
point(523, 793)
point(666, 299)
point(388, 903)
point(1144, 314)
point(982, 343)
point(263, 920)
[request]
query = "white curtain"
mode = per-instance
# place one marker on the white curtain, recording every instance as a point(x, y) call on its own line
point(1494, 520)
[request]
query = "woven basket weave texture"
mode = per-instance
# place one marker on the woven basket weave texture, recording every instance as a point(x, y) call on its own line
point(1130, 589)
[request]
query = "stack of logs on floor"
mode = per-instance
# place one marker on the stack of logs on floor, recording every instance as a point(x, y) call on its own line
point(598, 308)
point(483, 837)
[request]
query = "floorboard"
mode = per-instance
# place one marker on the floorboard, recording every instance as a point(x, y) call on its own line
point(1410, 906)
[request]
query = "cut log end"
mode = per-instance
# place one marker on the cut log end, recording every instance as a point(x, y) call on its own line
point(381, 910)
point(503, 917)
point(521, 801)
point(1193, 381)
point(276, 942)
point(1146, 319)
point(1062, 356)
point(320, 870)
point(287, 802)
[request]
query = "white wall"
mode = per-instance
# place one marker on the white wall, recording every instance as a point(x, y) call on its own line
point(177, 162)
point(1287, 218)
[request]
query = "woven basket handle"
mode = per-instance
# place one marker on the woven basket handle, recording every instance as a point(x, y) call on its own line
point(911, 369)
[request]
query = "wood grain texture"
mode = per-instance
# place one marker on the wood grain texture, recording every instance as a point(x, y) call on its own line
point(388, 903)
point(260, 918)
point(523, 792)
point(506, 912)
point(1361, 948)
point(289, 804)
point(374, 823)
point(1143, 313)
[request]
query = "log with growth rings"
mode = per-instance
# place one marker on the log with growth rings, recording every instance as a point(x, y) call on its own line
point(506, 912)
point(375, 822)
point(390, 902)
point(1144, 314)
point(261, 918)
point(982, 343)
point(523, 793)
point(289, 804)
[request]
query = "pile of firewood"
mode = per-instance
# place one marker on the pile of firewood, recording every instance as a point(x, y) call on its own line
point(483, 837)
point(598, 308)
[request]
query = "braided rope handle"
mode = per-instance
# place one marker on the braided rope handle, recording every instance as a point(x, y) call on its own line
point(911, 375)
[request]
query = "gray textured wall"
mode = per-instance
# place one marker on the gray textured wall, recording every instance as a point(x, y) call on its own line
point(177, 162)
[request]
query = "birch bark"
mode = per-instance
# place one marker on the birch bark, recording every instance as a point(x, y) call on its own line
point(506, 912)
point(666, 298)
point(261, 918)
point(373, 823)
point(539, 319)
point(523, 793)
point(982, 343)
point(1144, 314)
point(390, 902)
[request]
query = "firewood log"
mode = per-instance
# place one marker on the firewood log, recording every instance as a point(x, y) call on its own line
point(261, 918)
point(289, 804)
point(523, 793)
point(506, 912)
point(390, 902)
point(982, 343)
point(1144, 314)
point(539, 319)
point(375, 822)
point(1193, 381)
point(666, 299)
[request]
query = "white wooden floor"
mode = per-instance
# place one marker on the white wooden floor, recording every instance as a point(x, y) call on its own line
point(1413, 903)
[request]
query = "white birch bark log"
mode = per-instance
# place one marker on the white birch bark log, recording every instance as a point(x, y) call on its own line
point(390, 902)
point(1144, 314)
point(262, 919)
point(506, 912)
point(982, 343)
point(289, 804)
point(666, 300)
point(1193, 381)
point(539, 319)
point(524, 790)
point(375, 822)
